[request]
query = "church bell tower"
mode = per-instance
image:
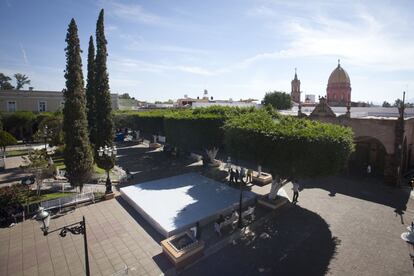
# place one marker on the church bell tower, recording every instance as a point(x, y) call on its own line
point(295, 93)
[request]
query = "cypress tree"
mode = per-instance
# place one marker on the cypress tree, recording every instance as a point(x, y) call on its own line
point(104, 124)
point(77, 154)
point(91, 92)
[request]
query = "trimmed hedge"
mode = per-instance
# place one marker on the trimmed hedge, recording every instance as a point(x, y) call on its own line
point(194, 131)
point(148, 122)
point(289, 146)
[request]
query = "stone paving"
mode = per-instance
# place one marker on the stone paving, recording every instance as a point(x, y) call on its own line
point(341, 226)
point(115, 238)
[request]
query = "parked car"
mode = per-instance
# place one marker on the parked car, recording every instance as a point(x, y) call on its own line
point(28, 180)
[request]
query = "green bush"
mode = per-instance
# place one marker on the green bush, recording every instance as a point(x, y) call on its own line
point(194, 131)
point(288, 146)
point(148, 122)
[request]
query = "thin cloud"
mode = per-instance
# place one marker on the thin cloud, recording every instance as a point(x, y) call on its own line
point(134, 13)
point(26, 61)
point(366, 39)
point(139, 65)
point(138, 43)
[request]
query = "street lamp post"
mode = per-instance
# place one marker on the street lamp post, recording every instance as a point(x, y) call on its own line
point(240, 222)
point(45, 134)
point(408, 237)
point(107, 152)
point(43, 217)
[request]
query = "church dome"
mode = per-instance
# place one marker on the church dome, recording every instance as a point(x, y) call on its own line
point(339, 76)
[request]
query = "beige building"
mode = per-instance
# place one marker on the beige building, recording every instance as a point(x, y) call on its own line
point(37, 101)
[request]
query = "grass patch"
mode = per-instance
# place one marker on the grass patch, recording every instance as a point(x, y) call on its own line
point(59, 163)
point(36, 199)
point(13, 153)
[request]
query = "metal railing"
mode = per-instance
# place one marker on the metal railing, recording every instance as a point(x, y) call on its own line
point(68, 200)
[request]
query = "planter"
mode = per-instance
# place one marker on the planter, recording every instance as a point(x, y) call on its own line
point(182, 249)
point(273, 204)
point(109, 196)
point(263, 179)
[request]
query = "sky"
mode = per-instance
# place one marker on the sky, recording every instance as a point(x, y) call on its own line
point(162, 49)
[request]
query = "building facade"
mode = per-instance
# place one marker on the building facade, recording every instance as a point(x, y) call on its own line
point(338, 91)
point(37, 101)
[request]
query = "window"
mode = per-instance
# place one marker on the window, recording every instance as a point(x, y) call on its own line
point(11, 106)
point(42, 106)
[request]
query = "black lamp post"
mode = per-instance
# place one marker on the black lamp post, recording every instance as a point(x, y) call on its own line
point(46, 135)
point(107, 152)
point(240, 222)
point(408, 237)
point(43, 217)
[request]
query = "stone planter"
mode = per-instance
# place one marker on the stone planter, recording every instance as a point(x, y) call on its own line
point(182, 249)
point(272, 204)
point(263, 179)
point(109, 196)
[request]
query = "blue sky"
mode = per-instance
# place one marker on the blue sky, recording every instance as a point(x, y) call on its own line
point(161, 50)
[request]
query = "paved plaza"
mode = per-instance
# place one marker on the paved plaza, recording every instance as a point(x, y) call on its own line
point(115, 238)
point(341, 226)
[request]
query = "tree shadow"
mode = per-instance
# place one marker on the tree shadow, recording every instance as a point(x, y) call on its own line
point(157, 237)
point(145, 164)
point(12, 175)
point(294, 242)
point(202, 200)
point(368, 188)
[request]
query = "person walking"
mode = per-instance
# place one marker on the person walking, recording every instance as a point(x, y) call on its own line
point(295, 191)
point(236, 176)
point(231, 180)
point(369, 170)
point(242, 175)
point(249, 176)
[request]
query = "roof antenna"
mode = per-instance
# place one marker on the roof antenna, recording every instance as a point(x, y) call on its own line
point(339, 62)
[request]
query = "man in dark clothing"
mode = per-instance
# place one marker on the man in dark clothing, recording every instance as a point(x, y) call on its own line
point(236, 176)
point(231, 176)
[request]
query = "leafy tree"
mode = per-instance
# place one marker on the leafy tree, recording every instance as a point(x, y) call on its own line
point(398, 103)
point(20, 124)
point(6, 139)
point(52, 125)
point(386, 104)
point(279, 100)
point(289, 147)
point(21, 80)
point(11, 199)
point(104, 124)
point(38, 163)
point(77, 153)
point(125, 96)
point(91, 93)
point(5, 82)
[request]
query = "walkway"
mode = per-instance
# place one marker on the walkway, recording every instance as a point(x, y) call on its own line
point(341, 226)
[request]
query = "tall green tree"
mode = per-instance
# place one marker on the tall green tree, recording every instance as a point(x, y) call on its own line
point(77, 154)
point(104, 124)
point(279, 100)
point(289, 147)
point(91, 93)
point(6, 139)
point(5, 82)
point(21, 80)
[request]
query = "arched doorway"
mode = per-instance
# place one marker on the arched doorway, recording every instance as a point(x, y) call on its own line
point(368, 151)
